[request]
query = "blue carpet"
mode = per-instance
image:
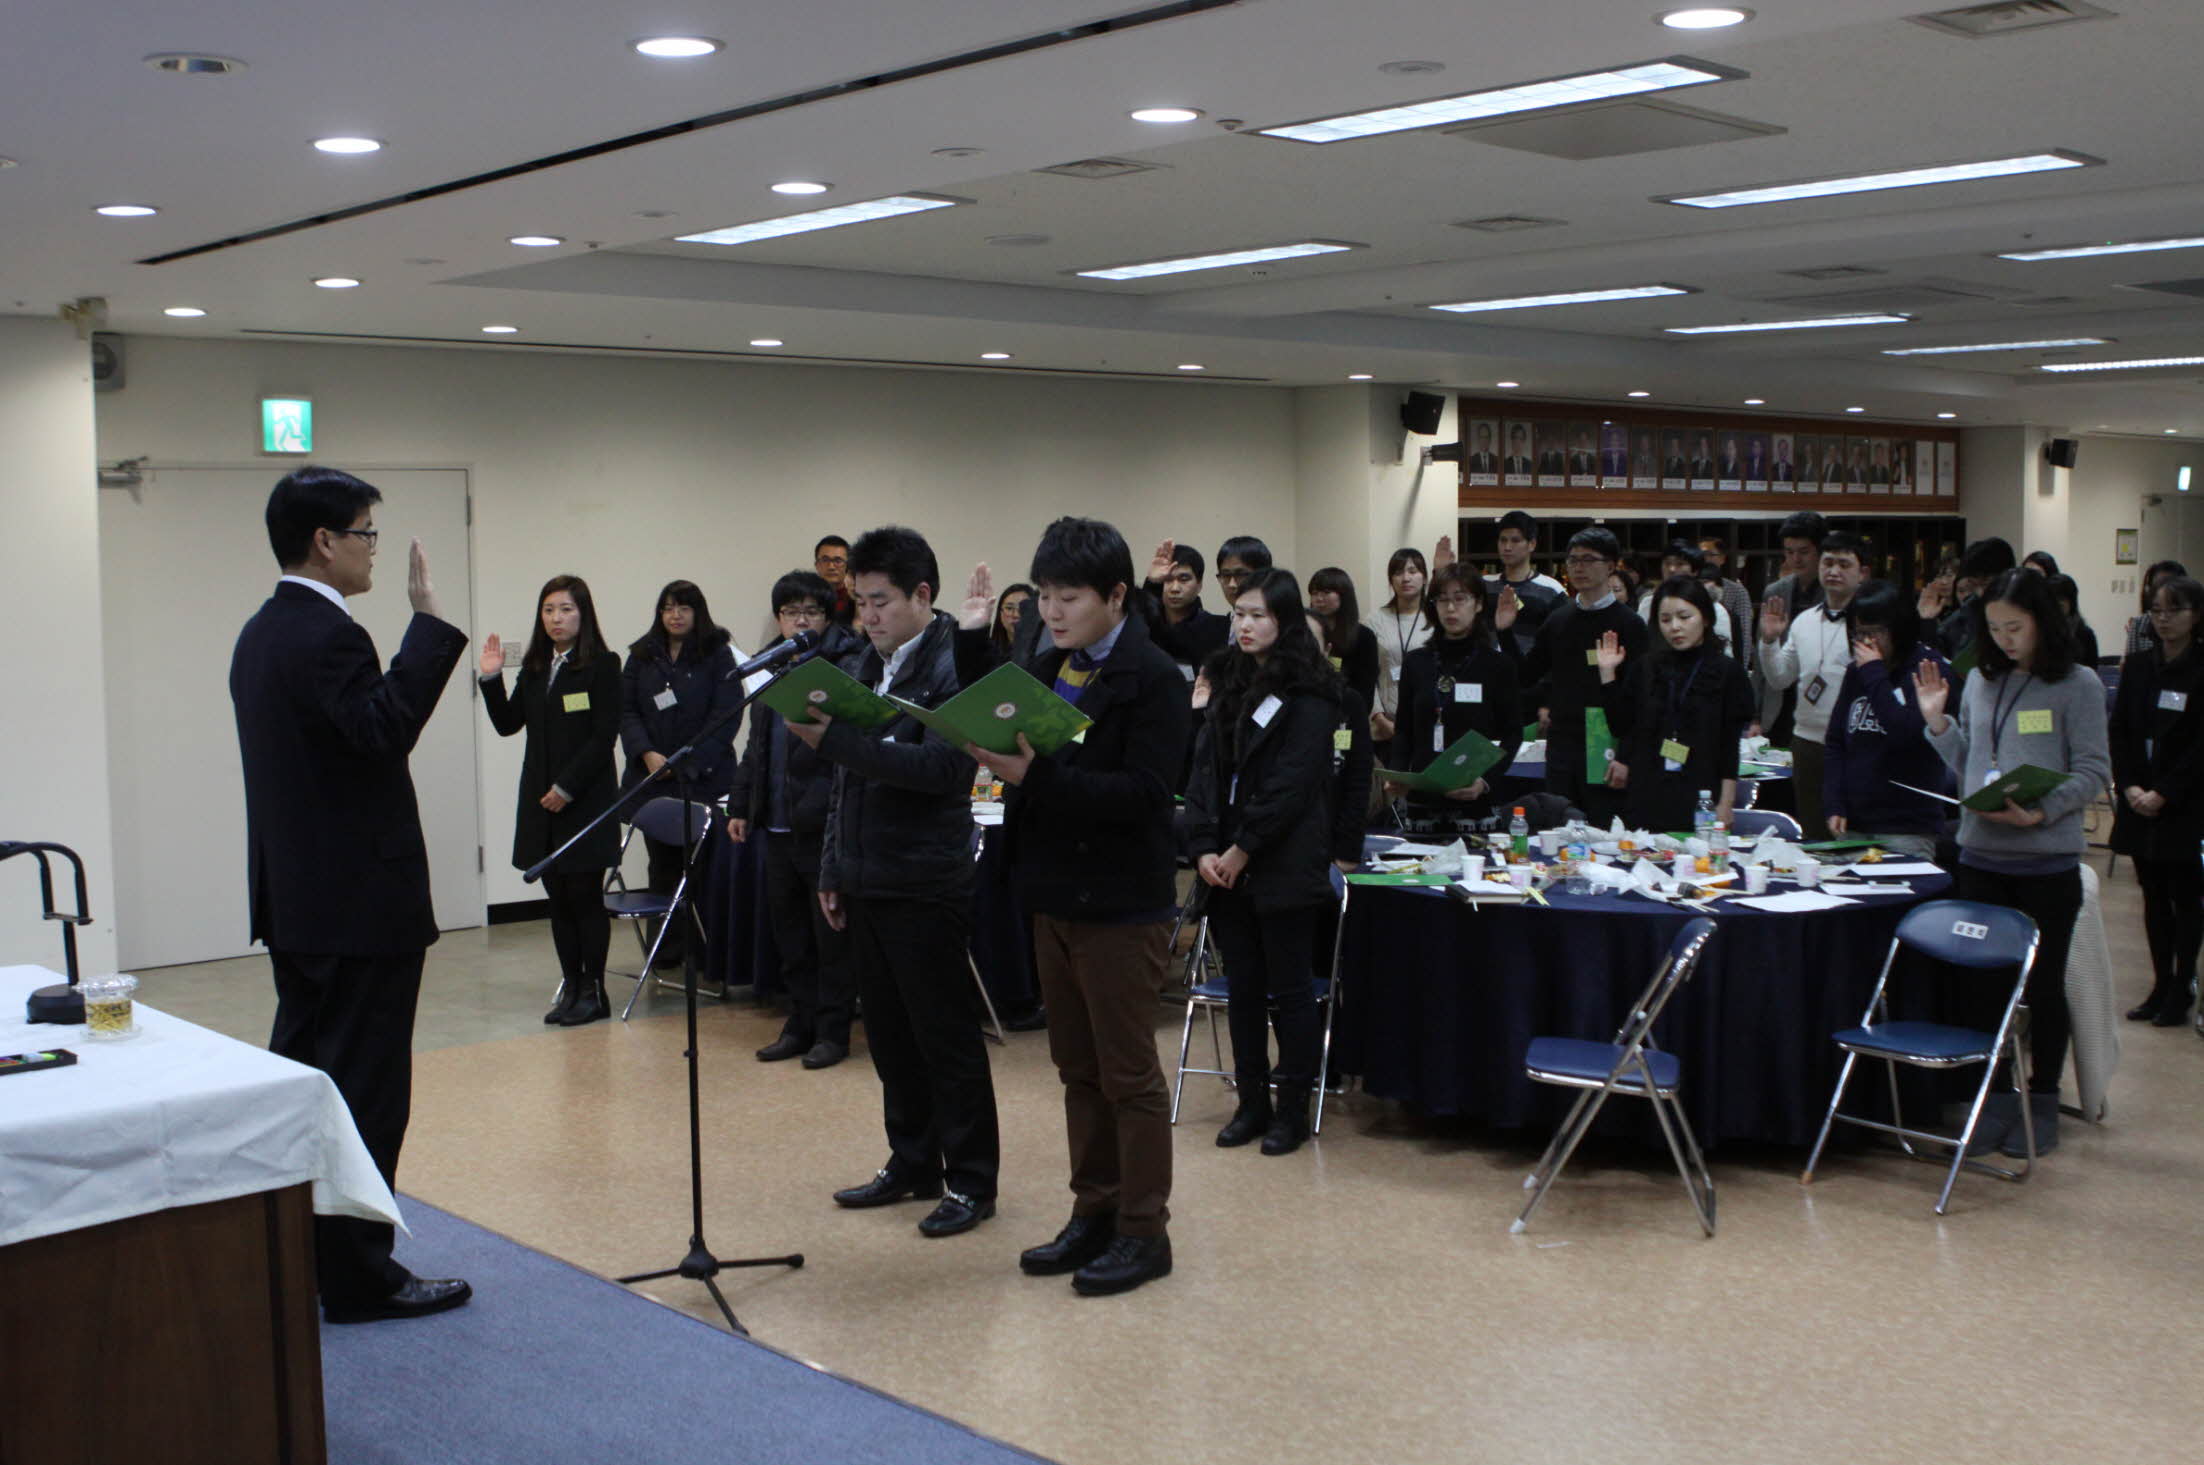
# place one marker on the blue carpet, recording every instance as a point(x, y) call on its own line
point(549, 1364)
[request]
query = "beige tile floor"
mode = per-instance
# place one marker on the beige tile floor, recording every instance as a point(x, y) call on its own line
point(1362, 1300)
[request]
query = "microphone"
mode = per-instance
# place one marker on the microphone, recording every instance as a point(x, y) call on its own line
point(787, 649)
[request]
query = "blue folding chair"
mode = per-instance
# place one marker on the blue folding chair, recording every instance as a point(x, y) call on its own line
point(1633, 1067)
point(1973, 937)
point(659, 819)
point(1752, 823)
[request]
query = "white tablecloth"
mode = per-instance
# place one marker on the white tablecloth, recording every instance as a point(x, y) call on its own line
point(176, 1116)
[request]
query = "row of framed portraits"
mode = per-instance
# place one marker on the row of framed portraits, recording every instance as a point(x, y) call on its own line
point(1555, 453)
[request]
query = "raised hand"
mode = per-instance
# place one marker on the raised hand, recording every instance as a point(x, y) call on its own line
point(1442, 556)
point(1159, 567)
point(1933, 597)
point(1931, 693)
point(1504, 613)
point(1610, 654)
point(418, 589)
point(1775, 618)
point(979, 599)
point(493, 657)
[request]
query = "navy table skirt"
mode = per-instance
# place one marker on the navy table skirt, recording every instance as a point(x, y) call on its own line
point(1441, 1000)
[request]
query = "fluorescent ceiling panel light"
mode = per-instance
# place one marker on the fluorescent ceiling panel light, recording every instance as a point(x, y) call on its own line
point(1358, 376)
point(833, 218)
point(2090, 251)
point(1855, 409)
point(1641, 394)
point(1756, 401)
point(536, 241)
point(1191, 366)
point(1704, 18)
point(767, 343)
point(347, 146)
point(994, 356)
point(1181, 264)
point(1505, 385)
point(1873, 182)
point(1566, 91)
point(1997, 346)
point(677, 48)
point(801, 187)
point(1818, 323)
point(338, 282)
point(184, 312)
point(500, 330)
point(1947, 415)
point(126, 210)
point(2124, 365)
point(1574, 297)
point(1165, 114)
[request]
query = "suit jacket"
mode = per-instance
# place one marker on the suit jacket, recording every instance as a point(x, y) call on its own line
point(571, 725)
point(1676, 468)
point(1484, 463)
point(1583, 463)
point(1514, 465)
point(1551, 462)
point(334, 855)
point(1614, 465)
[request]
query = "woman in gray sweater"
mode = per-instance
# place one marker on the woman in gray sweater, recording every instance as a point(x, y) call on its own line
point(2029, 702)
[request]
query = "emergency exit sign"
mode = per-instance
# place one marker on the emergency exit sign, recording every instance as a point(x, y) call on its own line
point(286, 425)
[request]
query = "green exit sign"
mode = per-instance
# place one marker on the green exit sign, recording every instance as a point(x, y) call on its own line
point(286, 425)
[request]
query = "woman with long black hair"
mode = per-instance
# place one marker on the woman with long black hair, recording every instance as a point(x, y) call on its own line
point(567, 699)
point(1400, 628)
point(675, 685)
point(1459, 682)
point(1260, 810)
point(1348, 643)
point(1677, 714)
point(2158, 776)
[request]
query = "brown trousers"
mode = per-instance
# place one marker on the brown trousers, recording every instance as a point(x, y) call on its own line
point(1100, 984)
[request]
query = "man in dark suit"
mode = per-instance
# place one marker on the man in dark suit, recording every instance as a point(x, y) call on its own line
point(1518, 460)
point(338, 869)
point(1483, 459)
point(1582, 462)
point(1702, 459)
point(1552, 461)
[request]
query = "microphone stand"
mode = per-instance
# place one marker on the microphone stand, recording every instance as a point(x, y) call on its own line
point(60, 1002)
point(699, 1264)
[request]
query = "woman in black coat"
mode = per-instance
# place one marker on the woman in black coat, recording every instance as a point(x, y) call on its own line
point(1348, 643)
point(1678, 713)
point(1457, 683)
point(2157, 737)
point(567, 699)
point(1260, 815)
point(676, 684)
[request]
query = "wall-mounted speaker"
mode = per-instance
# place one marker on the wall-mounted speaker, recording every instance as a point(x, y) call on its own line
point(2062, 451)
point(1421, 412)
point(107, 374)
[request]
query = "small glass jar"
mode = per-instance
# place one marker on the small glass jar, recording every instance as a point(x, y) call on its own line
point(110, 1007)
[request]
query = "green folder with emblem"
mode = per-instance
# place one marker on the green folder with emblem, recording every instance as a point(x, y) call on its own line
point(1472, 756)
point(821, 684)
point(991, 713)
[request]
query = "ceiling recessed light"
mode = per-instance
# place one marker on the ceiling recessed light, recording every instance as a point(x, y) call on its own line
point(1704, 18)
point(1590, 86)
point(1507, 385)
point(2171, 431)
point(1947, 414)
point(994, 356)
point(1641, 394)
point(338, 282)
point(1999, 346)
point(1756, 401)
point(1181, 264)
point(1855, 409)
point(1573, 297)
point(2124, 365)
point(800, 187)
point(126, 210)
point(1412, 68)
point(184, 312)
point(833, 218)
point(958, 152)
point(347, 146)
point(1873, 182)
point(500, 330)
point(1191, 366)
point(2088, 251)
point(1358, 376)
point(1814, 324)
point(765, 343)
point(185, 63)
point(536, 241)
point(676, 48)
point(1165, 114)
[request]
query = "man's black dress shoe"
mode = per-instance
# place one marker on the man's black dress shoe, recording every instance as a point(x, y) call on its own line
point(825, 1054)
point(2171, 1015)
point(1082, 1240)
point(1027, 1022)
point(956, 1213)
point(418, 1298)
point(1130, 1261)
point(787, 1045)
point(886, 1188)
point(2145, 1010)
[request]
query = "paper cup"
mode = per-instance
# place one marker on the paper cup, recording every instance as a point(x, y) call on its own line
point(1473, 868)
point(1549, 840)
point(1809, 874)
point(1520, 876)
point(1756, 879)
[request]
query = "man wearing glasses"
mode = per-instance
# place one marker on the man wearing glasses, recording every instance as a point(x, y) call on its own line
point(338, 870)
point(830, 557)
point(1562, 669)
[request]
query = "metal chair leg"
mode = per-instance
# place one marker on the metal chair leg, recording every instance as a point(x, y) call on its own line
point(1564, 1143)
point(1702, 1205)
point(642, 978)
point(1844, 1076)
point(1897, 1113)
point(1186, 1039)
point(993, 1021)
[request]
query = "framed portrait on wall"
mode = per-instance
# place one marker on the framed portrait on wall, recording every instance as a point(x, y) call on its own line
point(1645, 460)
point(1782, 465)
point(1517, 465)
point(1614, 455)
point(1481, 453)
point(1756, 462)
point(1675, 461)
point(1702, 459)
point(1947, 470)
point(1583, 455)
point(1553, 455)
point(1901, 466)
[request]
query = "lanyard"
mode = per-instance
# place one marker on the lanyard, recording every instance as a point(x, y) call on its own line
point(1679, 695)
point(1997, 711)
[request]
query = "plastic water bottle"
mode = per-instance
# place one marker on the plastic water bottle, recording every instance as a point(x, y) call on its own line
point(1575, 856)
point(1704, 821)
point(1718, 847)
point(1519, 837)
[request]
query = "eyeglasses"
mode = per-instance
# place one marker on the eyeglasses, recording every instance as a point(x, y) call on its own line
point(370, 535)
point(2168, 612)
point(1585, 561)
point(1455, 602)
point(806, 612)
point(827, 561)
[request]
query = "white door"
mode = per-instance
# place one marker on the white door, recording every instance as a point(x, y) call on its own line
point(184, 562)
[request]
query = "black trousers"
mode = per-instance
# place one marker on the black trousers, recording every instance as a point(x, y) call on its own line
point(1269, 957)
point(352, 1018)
point(922, 1023)
point(815, 964)
point(1600, 804)
point(580, 930)
point(2053, 902)
point(2173, 919)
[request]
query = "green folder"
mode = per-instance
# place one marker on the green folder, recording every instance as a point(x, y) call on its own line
point(820, 683)
point(1599, 746)
point(2025, 786)
point(991, 713)
point(1469, 759)
point(1403, 877)
point(1838, 846)
point(1531, 734)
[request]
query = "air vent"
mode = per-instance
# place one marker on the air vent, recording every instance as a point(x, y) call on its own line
point(1836, 272)
point(2011, 17)
point(1098, 168)
point(1508, 223)
point(1612, 129)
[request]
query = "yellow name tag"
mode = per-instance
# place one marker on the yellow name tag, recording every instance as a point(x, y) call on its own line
point(1674, 751)
point(1337, 664)
point(2036, 721)
point(1343, 739)
point(577, 701)
point(1591, 656)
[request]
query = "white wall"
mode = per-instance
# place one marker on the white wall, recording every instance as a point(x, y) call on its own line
point(53, 736)
point(2109, 481)
point(1361, 490)
point(632, 472)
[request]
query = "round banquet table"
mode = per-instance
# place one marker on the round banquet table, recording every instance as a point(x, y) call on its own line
point(1439, 1000)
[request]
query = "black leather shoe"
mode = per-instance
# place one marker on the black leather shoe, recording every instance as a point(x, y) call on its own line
point(1130, 1261)
point(1082, 1240)
point(2171, 1016)
point(1027, 1022)
point(418, 1298)
point(592, 1005)
point(2145, 1010)
point(787, 1045)
point(885, 1189)
point(825, 1054)
point(564, 1005)
point(1288, 1129)
point(955, 1214)
point(1246, 1126)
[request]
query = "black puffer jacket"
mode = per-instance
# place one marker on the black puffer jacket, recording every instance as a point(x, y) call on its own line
point(899, 824)
point(1276, 801)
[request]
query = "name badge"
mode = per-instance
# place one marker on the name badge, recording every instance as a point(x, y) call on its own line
point(2173, 701)
point(1337, 663)
point(1343, 740)
point(2036, 720)
point(1186, 670)
point(1814, 691)
point(664, 699)
point(1468, 692)
point(1392, 673)
point(1991, 777)
point(1676, 753)
point(1438, 737)
point(577, 701)
point(1267, 711)
point(1591, 656)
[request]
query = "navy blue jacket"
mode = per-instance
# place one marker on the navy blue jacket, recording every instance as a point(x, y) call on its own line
point(1875, 738)
point(703, 693)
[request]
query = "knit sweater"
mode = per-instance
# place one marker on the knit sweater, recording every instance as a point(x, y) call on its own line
point(1988, 734)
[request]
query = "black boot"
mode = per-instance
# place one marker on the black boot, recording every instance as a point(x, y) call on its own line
point(1250, 1119)
point(592, 1006)
point(568, 990)
point(1289, 1127)
point(2147, 1009)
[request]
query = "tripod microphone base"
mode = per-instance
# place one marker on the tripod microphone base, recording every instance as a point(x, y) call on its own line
point(701, 1266)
